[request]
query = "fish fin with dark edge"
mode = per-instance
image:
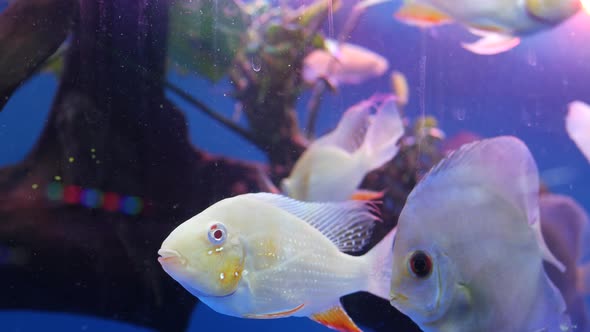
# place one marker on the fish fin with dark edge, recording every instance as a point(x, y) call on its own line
point(349, 224)
point(279, 314)
point(337, 319)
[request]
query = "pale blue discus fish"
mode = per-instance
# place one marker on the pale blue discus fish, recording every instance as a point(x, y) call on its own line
point(468, 254)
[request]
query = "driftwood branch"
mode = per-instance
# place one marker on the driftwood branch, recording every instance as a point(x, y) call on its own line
point(30, 32)
point(111, 130)
point(244, 133)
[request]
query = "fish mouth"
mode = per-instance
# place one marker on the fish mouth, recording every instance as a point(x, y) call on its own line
point(168, 256)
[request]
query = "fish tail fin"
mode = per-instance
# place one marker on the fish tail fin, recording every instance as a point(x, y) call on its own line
point(380, 143)
point(583, 278)
point(380, 260)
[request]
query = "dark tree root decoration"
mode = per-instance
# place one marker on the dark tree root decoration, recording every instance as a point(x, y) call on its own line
point(123, 136)
point(111, 128)
point(30, 31)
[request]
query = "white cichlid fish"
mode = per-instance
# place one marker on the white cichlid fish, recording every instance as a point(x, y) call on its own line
point(468, 254)
point(343, 63)
point(499, 23)
point(334, 165)
point(268, 256)
point(577, 123)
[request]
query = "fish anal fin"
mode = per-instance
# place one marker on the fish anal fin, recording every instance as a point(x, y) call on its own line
point(491, 43)
point(421, 15)
point(336, 318)
point(366, 195)
point(280, 314)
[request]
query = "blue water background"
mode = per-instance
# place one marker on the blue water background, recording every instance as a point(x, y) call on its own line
point(523, 92)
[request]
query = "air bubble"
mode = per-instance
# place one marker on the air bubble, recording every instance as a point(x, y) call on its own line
point(256, 63)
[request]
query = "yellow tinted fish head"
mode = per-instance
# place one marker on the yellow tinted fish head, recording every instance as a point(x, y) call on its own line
point(553, 11)
point(423, 278)
point(204, 256)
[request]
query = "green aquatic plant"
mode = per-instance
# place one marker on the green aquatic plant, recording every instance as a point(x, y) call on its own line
point(204, 36)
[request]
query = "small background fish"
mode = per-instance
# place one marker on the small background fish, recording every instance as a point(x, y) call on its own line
point(499, 23)
point(334, 165)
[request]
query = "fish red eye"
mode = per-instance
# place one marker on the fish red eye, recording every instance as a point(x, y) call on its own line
point(420, 264)
point(217, 233)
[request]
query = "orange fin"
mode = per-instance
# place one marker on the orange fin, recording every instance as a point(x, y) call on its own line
point(421, 15)
point(336, 318)
point(280, 314)
point(366, 195)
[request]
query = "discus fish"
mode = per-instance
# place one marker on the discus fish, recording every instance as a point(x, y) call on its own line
point(468, 254)
point(334, 165)
point(268, 256)
point(499, 23)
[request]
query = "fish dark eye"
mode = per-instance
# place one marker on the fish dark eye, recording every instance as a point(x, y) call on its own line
point(217, 233)
point(420, 264)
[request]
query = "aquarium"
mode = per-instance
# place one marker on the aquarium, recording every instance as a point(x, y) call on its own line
point(294, 165)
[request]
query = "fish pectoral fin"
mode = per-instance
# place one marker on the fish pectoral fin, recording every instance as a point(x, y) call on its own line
point(421, 15)
point(491, 43)
point(280, 314)
point(336, 318)
point(367, 195)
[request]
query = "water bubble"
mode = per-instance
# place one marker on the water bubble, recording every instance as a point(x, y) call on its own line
point(256, 63)
point(460, 114)
point(532, 58)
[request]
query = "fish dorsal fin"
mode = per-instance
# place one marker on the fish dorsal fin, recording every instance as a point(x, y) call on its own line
point(349, 225)
point(350, 132)
point(336, 318)
point(503, 166)
point(421, 15)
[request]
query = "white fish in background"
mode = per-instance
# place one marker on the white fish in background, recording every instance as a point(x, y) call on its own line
point(577, 123)
point(268, 256)
point(334, 165)
point(499, 23)
point(565, 230)
point(343, 64)
point(468, 254)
